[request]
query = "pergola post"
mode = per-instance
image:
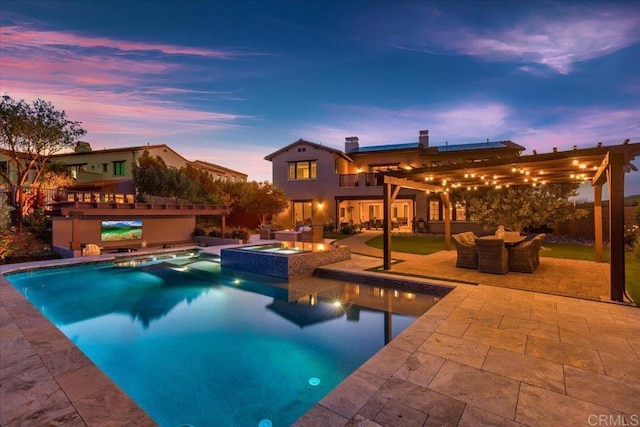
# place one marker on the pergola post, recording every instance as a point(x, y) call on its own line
point(389, 192)
point(597, 219)
point(615, 174)
point(446, 202)
point(223, 225)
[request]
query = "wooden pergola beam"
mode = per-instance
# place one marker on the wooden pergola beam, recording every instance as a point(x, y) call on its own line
point(611, 170)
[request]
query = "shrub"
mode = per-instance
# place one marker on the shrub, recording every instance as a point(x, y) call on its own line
point(240, 233)
point(636, 248)
point(199, 231)
point(215, 233)
point(329, 227)
point(349, 229)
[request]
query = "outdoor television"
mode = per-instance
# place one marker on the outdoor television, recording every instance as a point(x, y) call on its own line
point(115, 231)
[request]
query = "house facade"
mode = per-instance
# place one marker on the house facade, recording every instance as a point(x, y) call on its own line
point(324, 184)
point(108, 174)
point(116, 164)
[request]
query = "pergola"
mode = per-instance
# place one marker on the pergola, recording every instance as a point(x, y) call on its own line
point(598, 165)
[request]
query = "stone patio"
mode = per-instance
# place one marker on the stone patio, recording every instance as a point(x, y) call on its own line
point(486, 354)
point(494, 356)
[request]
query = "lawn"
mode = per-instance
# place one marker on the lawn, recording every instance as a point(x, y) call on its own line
point(421, 245)
point(424, 245)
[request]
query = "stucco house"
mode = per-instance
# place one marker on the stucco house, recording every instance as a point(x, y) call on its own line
point(326, 184)
point(112, 169)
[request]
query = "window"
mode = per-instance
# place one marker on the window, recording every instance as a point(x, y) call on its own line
point(4, 167)
point(302, 212)
point(74, 169)
point(434, 210)
point(375, 211)
point(105, 167)
point(303, 170)
point(118, 168)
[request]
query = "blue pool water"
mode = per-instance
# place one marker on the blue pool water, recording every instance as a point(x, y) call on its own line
point(194, 345)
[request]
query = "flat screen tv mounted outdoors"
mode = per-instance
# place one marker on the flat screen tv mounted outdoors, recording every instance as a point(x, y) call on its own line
point(115, 231)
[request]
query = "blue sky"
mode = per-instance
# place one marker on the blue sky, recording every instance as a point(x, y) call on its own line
point(230, 81)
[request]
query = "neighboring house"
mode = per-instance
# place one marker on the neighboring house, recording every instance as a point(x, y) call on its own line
point(97, 172)
point(219, 172)
point(324, 184)
point(111, 170)
point(8, 169)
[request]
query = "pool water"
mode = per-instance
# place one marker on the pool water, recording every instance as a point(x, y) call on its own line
point(195, 345)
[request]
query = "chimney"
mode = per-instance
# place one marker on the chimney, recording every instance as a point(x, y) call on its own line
point(350, 144)
point(82, 147)
point(423, 139)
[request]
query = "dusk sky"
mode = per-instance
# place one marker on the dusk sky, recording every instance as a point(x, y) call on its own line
point(230, 81)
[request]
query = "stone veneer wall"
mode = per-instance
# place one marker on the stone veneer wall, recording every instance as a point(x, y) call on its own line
point(282, 266)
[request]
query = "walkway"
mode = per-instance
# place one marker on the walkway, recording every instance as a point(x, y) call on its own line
point(488, 355)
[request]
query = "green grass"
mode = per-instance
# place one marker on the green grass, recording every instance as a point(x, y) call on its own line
point(424, 245)
point(632, 277)
point(421, 245)
point(567, 251)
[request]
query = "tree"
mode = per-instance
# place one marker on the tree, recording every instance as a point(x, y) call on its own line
point(29, 135)
point(151, 176)
point(5, 213)
point(264, 200)
point(525, 206)
point(203, 188)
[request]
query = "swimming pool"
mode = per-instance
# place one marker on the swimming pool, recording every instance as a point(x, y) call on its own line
point(193, 344)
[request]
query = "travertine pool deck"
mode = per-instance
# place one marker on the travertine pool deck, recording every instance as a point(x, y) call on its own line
point(483, 355)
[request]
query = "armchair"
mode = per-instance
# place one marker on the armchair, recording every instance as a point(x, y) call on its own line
point(467, 252)
point(493, 257)
point(525, 256)
point(266, 233)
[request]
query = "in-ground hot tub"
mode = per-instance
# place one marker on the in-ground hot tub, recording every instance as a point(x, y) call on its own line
point(284, 260)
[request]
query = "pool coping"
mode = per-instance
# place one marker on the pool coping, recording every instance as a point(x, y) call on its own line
point(38, 359)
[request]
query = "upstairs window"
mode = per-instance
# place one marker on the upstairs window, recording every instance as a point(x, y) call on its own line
point(118, 168)
point(303, 170)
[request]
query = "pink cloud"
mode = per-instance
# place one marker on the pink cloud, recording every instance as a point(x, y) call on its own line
point(18, 37)
point(555, 39)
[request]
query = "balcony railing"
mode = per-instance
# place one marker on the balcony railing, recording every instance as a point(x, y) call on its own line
point(374, 179)
point(356, 180)
point(348, 180)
